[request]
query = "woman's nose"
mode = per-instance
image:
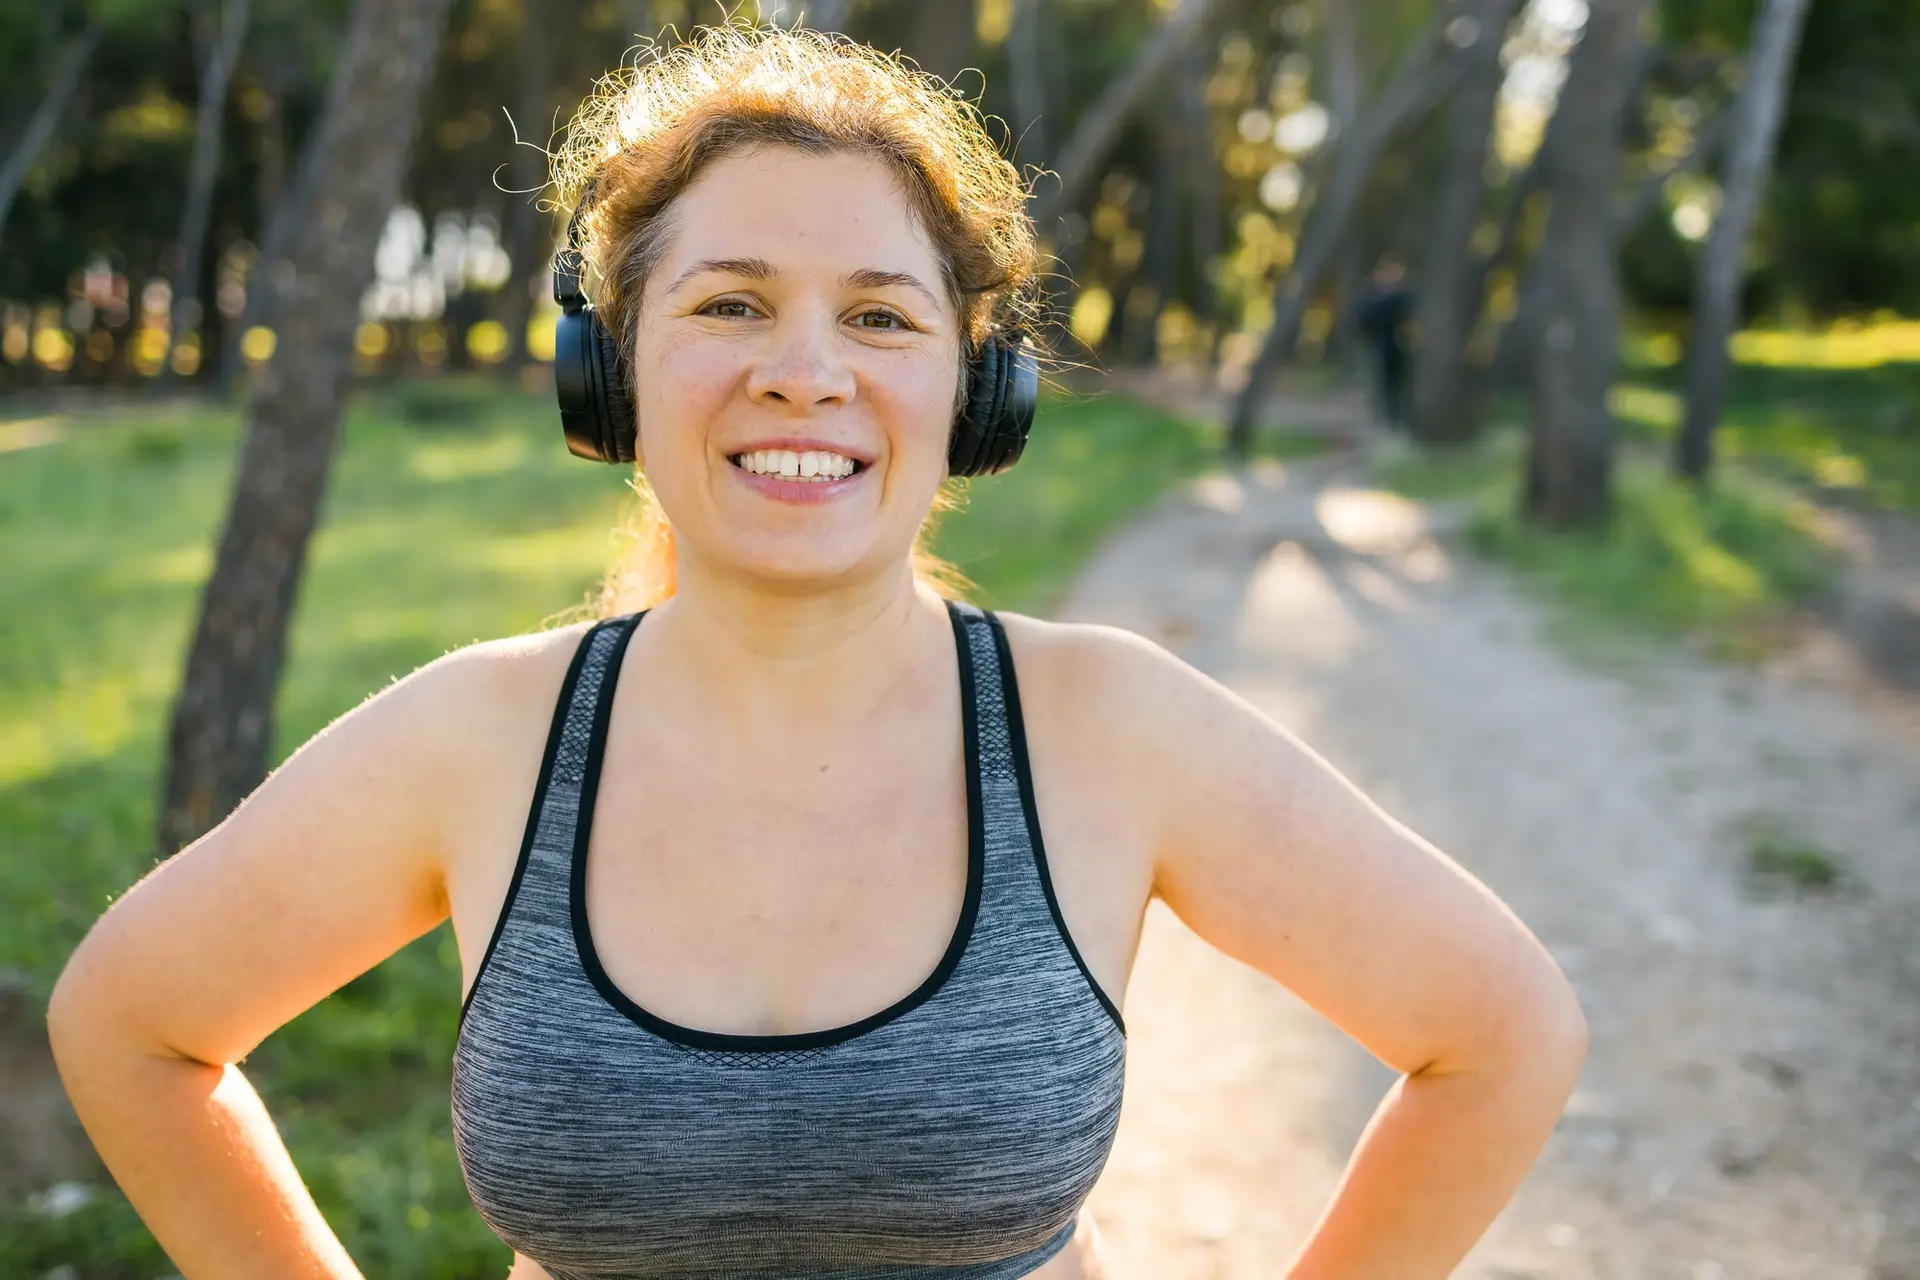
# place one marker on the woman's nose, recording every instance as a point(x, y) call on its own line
point(803, 365)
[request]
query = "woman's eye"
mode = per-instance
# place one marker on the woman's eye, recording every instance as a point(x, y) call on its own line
point(882, 320)
point(730, 308)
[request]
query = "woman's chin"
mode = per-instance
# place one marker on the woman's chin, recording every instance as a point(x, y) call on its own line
point(816, 571)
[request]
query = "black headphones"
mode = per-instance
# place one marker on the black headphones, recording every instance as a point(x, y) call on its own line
point(1003, 383)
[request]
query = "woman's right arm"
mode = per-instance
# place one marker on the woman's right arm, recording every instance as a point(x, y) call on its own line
point(334, 863)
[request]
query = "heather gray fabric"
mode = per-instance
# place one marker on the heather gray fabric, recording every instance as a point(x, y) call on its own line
point(953, 1135)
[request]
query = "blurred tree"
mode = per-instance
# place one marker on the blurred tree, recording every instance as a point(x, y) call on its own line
point(1716, 292)
point(221, 725)
point(74, 51)
point(1079, 165)
point(1202, 155)
point(216, 72)
point(1444, 308)
point(534, 108)
point(1569, 462)
point(1424, 74)
point(1025, 60)
point(942, 39)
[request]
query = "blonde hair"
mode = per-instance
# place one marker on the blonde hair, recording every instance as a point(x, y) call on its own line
point(649, 130)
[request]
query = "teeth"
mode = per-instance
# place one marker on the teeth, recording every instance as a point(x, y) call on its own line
point(814, 465)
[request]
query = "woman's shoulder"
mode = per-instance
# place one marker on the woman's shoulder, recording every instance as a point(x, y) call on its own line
point(1111, 691)
point(1090, 662)
point(1126, 701)
point(474, 706)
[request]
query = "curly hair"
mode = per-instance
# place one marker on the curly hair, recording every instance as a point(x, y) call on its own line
point(650, 129)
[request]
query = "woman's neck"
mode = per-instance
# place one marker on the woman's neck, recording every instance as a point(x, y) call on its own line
point(773, 665)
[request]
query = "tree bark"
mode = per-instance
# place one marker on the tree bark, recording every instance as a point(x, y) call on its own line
point(40, 128)
point(1716, 287)
point(222, 722)
point(1098, 130)
point(533, 121)
point(1416, 83)
point(1569, 467)
point(1444, 309)
point(202, 169)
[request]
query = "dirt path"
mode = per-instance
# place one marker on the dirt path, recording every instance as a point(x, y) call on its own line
point(1751, 1104)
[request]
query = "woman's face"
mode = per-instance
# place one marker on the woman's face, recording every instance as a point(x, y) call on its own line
point(797, 323)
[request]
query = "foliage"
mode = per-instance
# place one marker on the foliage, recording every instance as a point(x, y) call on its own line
point(1853, 433)
point(431, 539)
point(1724, 566)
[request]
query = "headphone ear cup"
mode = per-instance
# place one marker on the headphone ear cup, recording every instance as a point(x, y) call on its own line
point(574, 358)
point(618, 429)
point(1004, 389)
point(595, 411)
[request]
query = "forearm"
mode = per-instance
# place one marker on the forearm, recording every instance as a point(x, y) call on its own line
point(196, 1153)
point(1440, 1158)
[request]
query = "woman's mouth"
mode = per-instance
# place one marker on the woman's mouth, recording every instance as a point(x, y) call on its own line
point(794, 476)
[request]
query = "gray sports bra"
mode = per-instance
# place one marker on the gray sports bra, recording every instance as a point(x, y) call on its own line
point(953, 1135)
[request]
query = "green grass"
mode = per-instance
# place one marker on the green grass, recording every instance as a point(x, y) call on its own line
point(1723, 565)
point(1780, 859)
point(455, 514)
point(1851, 433)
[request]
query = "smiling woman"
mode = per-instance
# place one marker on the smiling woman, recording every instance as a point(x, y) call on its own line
point(796, 904)
point(652, 131)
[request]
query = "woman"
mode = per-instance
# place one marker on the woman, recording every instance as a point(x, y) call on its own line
point(768, 969)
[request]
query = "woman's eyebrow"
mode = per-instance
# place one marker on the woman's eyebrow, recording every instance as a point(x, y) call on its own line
point(874, 278)
point(751, 268)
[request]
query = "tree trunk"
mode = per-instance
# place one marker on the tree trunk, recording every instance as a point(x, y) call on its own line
point(533, 121)
point(202, 170)
point(1029, 82)
point(1716, 287)
point(1416, 83)
point(1569, 469)
point(1096, 132)
point(222, 723)
point(61, 86)
point(1342, 58)
point(1160, 262)
point(1196, 119)
point(1513, 346)
point(1444, 310)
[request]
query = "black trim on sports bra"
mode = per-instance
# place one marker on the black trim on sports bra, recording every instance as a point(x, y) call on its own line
point(559, 725)
point(1023, 769)
point(697, 1039)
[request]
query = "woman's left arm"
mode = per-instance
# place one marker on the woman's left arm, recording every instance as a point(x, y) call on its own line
point(1268, 853)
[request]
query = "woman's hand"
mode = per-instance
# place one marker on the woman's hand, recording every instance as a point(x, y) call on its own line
point(337, 861)
point(1270, 855)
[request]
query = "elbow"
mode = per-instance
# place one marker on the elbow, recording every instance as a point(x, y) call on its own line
point(1564, 1029)
point(1547, 1028)
point(72, 1012)
point(82, 1012)
point(1529, 1026)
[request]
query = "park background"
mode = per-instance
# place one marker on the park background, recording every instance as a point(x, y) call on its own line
point(1661, 258)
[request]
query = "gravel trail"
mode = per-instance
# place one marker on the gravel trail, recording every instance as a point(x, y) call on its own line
point(1751, 1103)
